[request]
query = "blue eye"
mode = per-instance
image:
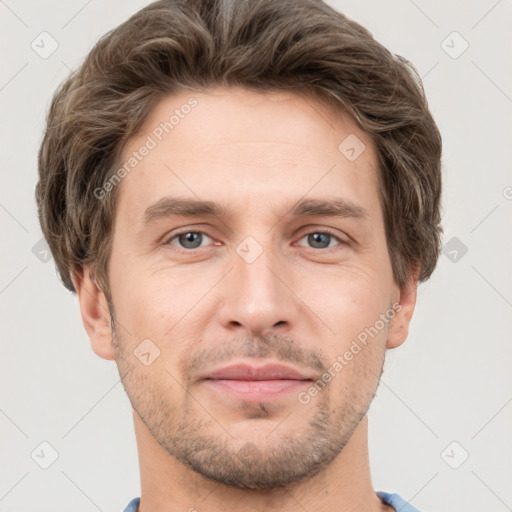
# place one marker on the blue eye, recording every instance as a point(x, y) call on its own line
point(188, 239)
point(321, 239)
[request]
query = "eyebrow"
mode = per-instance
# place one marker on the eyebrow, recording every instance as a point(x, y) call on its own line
point(179, 207)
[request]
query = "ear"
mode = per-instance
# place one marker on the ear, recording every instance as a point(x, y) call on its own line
point(399, 325)
point(95, 313)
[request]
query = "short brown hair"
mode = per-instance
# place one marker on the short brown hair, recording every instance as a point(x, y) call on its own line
point(294, 45)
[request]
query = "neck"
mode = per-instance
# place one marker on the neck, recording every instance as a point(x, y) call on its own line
point(168, 485)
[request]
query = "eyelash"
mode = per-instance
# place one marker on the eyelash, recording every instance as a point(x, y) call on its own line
point(323, 231)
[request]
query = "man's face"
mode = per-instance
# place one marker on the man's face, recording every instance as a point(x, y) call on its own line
point(256, 283)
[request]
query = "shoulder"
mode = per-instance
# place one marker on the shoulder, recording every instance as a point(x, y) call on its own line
point(133, 506)
point(396, 501)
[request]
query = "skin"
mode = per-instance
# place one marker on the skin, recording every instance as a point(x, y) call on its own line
point(298, 303)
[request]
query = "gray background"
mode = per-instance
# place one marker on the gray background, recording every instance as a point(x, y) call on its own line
point(445, 393)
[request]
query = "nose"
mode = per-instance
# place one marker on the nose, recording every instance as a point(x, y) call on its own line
point(257, 297)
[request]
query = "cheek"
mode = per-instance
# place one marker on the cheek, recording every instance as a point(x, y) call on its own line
point(157, 305)
point(347, 303)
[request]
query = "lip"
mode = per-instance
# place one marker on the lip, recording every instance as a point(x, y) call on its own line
point(256, 383)
point(249, 372)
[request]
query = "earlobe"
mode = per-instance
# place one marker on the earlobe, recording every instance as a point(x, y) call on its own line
point(399, 325)
point(95, 313)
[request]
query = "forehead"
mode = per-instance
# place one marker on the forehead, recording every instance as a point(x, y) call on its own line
point(233, 145)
